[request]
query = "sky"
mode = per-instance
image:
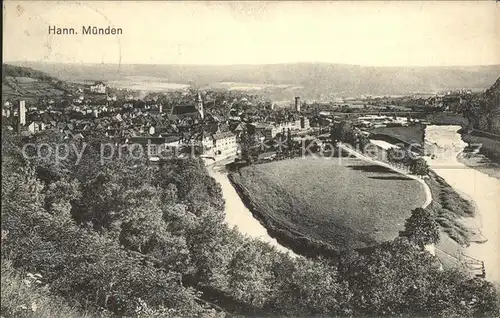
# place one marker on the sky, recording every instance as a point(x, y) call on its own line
point(368, 33)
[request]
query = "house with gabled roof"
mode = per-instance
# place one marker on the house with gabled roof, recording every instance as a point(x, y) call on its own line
point(36, 126)
point(98, 87)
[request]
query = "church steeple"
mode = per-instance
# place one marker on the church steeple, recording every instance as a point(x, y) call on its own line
point(200, 105)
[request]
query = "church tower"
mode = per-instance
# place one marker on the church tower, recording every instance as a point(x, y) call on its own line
point(200, 105)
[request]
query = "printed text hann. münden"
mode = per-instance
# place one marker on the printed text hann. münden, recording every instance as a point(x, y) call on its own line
point(86, 30)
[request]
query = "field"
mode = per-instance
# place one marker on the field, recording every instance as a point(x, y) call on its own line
point(29, 88)
point(410, 134)
point(347, 204)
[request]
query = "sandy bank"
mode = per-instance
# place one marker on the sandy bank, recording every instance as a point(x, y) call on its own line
point(481, 188)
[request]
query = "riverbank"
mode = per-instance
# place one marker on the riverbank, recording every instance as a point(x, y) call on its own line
point(323, 206)
point(482, 155)
point(479, 187)
point(480, 163)
point(237, 214)
point(285, 236)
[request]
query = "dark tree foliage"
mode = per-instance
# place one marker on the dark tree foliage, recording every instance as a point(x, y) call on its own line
point(419, 167)
point(134, 239)
point(421, 228)
point(343, 132)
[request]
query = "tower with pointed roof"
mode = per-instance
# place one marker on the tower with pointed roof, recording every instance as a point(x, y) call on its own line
point(200, 105)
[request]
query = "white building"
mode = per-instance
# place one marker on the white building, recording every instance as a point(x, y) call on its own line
point(98, 87)
point(35, 127)
point(304, 123)
point(22, 112)
point(225, 145)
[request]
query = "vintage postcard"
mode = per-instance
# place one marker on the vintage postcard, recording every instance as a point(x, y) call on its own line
point(250, 158)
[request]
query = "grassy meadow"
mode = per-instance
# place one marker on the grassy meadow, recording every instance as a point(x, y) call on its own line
point(408, 135)
point(30, 88)
point(344, 204)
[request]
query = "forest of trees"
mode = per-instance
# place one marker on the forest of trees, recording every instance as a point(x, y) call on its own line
point(128, 238)
point(483, 110)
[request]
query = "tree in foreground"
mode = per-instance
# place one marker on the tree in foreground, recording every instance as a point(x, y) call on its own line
point(397, 156)
point(419, 167)
point(421, 228)
point(248, 144)
point(342, 132)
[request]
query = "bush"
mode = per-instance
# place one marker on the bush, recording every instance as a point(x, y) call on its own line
point(29, 298)
point(421, 228)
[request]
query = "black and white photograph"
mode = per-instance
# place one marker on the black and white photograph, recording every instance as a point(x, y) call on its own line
point(250, 159)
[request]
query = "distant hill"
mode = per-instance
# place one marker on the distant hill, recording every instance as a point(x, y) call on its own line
point(18, 71)
point(309, 80)
point(30, 84)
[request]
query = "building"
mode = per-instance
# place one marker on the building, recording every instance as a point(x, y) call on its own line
point(304, 123)
point(98, 88)
point(22, 113)
point(6, 112)
point(297, 103)
point(218, 146)
point(185, 111)
point(269, 131)
point(225, 145)
point(157, 147)
point(289, 124)
point(200, 106)
point(189, 111)
point(36, 126)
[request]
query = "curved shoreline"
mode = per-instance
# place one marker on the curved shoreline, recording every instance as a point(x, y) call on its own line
point(296, 241)
point(286, 237)
point(489, 168)
point(479, 187)
point(467, 182)
point(238, 214)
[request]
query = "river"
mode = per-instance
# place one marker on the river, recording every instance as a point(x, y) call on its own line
point(237, 213)
point(475, 185)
